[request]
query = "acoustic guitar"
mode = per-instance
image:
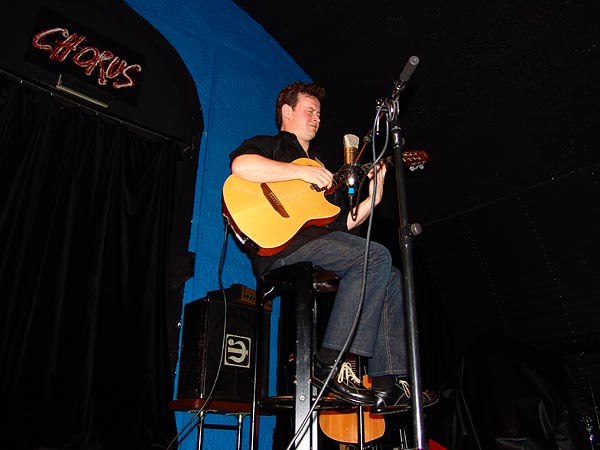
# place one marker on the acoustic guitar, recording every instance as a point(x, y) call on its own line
point(266, 216)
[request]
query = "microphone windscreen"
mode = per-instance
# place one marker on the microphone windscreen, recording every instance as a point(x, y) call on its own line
point(351, 141)
point(350, 148)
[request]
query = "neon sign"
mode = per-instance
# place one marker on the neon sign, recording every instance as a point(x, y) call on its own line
point(63, 46)
point(85, 60)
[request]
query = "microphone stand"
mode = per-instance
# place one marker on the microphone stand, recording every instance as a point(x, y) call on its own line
point(406, 232)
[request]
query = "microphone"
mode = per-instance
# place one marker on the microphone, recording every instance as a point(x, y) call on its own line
point(350, 149)
point(405, 75)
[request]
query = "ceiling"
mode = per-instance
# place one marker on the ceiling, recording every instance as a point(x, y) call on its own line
point(505, 95)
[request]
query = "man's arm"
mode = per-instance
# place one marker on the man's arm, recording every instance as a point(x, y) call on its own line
point(259, 169)
point(363, 210)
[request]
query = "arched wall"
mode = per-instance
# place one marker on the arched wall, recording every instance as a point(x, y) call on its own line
point(238, 70)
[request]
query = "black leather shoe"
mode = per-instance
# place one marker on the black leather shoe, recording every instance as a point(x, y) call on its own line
point(343, 384)
point(397, 398)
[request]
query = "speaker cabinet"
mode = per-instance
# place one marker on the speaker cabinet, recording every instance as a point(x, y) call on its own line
point(201, 343)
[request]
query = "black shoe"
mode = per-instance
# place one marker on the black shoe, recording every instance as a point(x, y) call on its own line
point(343, 384)
point(397, 398)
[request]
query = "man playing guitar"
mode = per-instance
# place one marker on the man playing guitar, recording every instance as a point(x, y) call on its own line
point(380, 335)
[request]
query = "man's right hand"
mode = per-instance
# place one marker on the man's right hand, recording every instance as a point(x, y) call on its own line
point(316, 175)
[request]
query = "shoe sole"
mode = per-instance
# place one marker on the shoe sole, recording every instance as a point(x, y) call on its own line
point(395, 409)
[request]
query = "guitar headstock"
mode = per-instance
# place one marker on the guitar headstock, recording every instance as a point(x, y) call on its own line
point(415, 159)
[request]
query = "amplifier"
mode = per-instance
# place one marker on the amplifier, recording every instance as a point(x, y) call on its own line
point(238, 293)
point(201, 342)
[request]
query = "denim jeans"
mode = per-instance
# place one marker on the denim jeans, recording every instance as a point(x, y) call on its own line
point(381, 331)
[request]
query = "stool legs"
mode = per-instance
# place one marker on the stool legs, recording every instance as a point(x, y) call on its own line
point(239, 427)
point(303, 354)
point(295, 284)
point(256, 360)
point(240, 424)
point(200, 427)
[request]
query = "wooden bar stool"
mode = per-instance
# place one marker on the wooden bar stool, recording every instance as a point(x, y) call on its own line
point(299, 283)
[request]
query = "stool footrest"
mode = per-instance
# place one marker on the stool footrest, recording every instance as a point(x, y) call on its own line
point(214, 406)
point(283, 402)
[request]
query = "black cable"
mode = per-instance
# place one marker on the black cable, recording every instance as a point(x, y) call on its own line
point(307, 418)
point(222, 357)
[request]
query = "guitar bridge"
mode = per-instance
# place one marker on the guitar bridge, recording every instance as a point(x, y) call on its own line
point(273, 200)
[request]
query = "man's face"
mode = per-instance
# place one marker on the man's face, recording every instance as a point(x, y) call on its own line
point(304, 119)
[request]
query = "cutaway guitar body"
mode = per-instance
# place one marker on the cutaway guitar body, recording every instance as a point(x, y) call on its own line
point(270, 214)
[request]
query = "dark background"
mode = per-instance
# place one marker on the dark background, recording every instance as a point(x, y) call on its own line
point(505, 95)
point(505, 101)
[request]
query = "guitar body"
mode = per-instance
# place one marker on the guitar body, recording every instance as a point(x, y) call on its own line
point(270, 221)
point(342, 426)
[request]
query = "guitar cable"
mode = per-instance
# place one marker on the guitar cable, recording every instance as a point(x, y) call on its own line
point(303, 426)
point(204, 406)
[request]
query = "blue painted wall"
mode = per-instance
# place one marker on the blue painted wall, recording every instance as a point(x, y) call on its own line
point(239, 70)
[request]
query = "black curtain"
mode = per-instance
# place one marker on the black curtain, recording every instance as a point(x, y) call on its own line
point(86, 214)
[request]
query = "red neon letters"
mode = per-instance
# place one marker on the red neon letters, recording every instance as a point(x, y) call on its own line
point(110, 66)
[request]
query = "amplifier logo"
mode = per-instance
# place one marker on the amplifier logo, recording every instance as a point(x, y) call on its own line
point(237, 352)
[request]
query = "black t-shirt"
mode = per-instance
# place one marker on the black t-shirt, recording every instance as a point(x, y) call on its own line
point(286, 148)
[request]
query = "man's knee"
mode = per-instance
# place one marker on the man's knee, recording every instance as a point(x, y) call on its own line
point(381, 254)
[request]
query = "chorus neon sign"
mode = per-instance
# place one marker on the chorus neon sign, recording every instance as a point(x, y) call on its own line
point(93, 61)
point(101, 64)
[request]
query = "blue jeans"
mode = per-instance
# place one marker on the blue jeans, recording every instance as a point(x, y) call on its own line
point(381, 331)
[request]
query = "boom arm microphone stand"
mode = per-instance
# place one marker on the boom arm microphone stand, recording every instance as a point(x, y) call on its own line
point(406, 233)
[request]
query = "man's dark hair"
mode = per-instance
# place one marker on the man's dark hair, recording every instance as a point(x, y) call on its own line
point(289, 96)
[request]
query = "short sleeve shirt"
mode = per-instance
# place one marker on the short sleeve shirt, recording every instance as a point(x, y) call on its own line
point(286, 148)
